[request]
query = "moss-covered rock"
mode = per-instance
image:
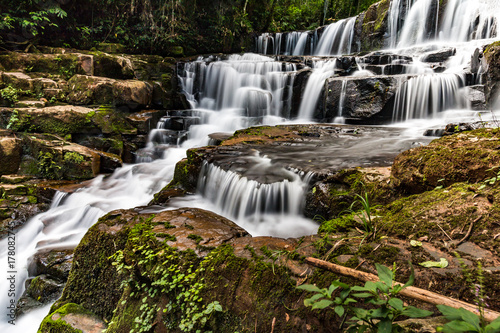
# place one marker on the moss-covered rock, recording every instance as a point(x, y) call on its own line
point(491, 63)
point(84, 89)
point(330, 197)
point(374, 26)
point(467, 156)
point(51, 157)
point(72, 318)
point(187, 269)
point(65, 65)
point(60, 120)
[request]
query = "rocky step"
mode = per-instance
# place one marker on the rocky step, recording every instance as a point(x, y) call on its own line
point(178, 123)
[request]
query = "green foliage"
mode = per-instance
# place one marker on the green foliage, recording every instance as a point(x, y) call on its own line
point(13, 120)
point(462, 320)
point(153, 268)
point(491, 181)
point(387, 308)
point(11, 94)
point(47, 167)
point(73, 157)
point(30, 18)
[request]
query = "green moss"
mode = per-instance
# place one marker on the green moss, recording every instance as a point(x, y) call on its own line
point(196, 238)
point(72, 157)
point(110, 121)
point(342, 224)
point(55, 323)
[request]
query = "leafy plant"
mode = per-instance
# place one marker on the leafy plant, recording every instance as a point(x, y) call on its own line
point(381, 294)
point(492, 180)
point(365, 214)
point(47, 167)
point(388, 309)
point(10, 94)
point(324, 297)
point(462, 320)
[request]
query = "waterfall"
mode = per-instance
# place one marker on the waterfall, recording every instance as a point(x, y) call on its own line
point(258, 206)
point(420, 23)
point(397, 14)
point(337, 39)
point(466, 20)
point(250, 84)
point(413, 22)
point(315, 84)
point(426, 95)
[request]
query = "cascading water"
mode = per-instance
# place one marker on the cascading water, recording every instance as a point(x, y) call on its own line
point(425, 96)
point(257, 206)
point(231, 93)
point(315, 84)
point(337, 38)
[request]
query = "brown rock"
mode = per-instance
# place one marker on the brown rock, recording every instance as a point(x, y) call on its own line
point(10, 155)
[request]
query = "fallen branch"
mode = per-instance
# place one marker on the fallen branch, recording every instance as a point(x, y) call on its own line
point(412, 292)
point(469, 231)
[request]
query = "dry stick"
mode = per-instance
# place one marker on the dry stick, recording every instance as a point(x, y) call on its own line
point(444, 231)
point(412, 292)
point(469, 231)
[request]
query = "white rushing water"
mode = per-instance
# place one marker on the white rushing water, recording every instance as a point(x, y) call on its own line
point(250, 89)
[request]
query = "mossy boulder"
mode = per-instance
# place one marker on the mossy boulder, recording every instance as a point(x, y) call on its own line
point(51, 157)
point(112, 66)
point(188, 269)
point(65, 65)
point(374, 26)
point(491, 61)
point(60, 120)
point(72, 318)
point(464, 157)
point(111, 47)
point(330, 197)
point(112, 122)
point(84, 89)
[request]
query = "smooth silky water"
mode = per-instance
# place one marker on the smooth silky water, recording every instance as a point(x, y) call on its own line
point(252, 89)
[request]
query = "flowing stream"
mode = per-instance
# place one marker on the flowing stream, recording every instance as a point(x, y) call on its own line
point(239, 91)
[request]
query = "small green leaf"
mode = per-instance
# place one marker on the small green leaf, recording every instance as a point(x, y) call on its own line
point(397, 304)
point(339, 310)
point(309, 287)
point(414, 312)
point(324, 303)
point(458, 326)
point(384, 326)
point(362, 295)
point(449, 312)
point(384, 274)
point(438, 264)
point(415, 243)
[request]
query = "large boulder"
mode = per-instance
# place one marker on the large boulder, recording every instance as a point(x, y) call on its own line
point(182, 262)
point(374, 26)
point(364, 98)
point(10, 153)
point(83, 89)
point(491, 61)
point(60, 120)
point(51, 157)
point(463, 157)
